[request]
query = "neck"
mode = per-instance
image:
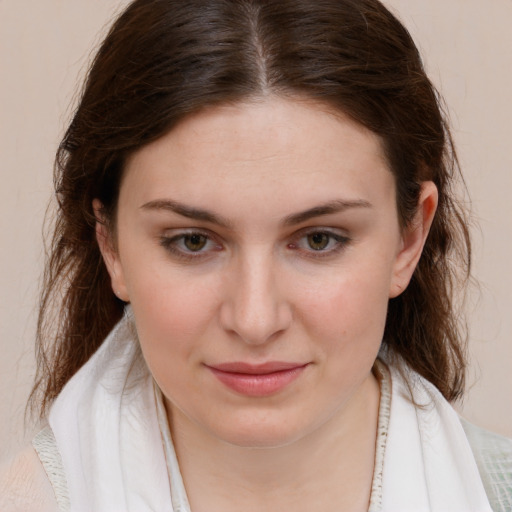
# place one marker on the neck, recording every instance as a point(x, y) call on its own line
point(329, 469)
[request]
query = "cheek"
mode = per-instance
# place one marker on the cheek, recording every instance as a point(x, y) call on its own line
point(172, 310)
point(172, 321)
point(348, 307)
point(346, 318)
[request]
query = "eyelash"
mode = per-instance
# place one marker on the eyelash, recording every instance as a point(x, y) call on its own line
point(171, 244)
point(340, 242)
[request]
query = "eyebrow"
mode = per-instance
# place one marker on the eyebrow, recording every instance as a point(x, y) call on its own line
point(191, 212)
point(187, 211)
point(329, 208)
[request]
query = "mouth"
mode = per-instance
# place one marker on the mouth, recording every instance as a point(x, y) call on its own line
point(257, 380)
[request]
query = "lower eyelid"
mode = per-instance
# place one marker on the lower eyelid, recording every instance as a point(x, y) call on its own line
point(170, 244)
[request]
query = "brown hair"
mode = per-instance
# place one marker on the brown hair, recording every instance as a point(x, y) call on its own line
point(165, 59)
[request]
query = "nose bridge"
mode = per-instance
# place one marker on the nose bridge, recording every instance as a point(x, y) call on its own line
point(256, 309)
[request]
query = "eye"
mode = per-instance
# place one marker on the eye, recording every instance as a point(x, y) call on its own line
point(190, 245)
point(194, 242)
point(319, 243)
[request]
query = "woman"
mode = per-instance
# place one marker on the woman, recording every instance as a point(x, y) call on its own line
point(255, 252)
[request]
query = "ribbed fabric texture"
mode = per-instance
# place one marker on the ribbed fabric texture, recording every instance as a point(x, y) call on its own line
point(382, 373)
point(46, 447)
point(493, 455)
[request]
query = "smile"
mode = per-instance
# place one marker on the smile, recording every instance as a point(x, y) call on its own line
point(257, 380)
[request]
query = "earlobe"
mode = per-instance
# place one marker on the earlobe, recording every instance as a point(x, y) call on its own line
point(109, 253)
point(413, 239)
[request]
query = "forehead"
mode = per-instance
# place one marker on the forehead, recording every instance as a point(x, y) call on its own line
point(264, 150)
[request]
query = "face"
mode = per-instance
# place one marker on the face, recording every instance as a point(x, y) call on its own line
point(258, 245)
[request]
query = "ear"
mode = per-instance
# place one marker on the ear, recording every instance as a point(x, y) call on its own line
point(413, 239)
point(109, 253)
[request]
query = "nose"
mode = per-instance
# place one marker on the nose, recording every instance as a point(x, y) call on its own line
point(254, 307)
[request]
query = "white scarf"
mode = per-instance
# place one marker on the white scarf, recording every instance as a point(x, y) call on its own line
point(107, 422)
point(428, 463)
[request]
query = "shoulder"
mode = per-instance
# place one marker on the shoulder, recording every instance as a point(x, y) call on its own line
point(24, 486)
point(493, 455)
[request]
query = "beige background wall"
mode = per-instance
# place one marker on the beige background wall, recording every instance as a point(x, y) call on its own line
point(44, 46)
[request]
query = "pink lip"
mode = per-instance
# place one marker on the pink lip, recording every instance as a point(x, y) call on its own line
point(257, 380)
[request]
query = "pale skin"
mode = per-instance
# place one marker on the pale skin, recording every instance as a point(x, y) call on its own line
point(256, 232)
point(254, 285)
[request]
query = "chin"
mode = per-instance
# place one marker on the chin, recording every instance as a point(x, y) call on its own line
point(262, 434)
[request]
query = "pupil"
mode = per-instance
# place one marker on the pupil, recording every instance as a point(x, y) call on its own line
point(195, 242)
point(318, 241)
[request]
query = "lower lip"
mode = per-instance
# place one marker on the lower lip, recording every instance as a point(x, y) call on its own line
point(260, 384)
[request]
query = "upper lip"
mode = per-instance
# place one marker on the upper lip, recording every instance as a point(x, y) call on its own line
point(256, 369)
